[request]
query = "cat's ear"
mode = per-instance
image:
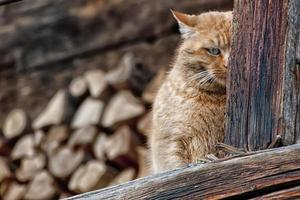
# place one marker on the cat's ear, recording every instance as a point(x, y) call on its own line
point(185, 22)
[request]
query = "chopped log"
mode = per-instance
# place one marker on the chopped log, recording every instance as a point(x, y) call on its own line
point(130, 74)
point(99, 147)
point(38, 137)
point(124, 176)
point(4, 170)
point(83, 136)
point(122, 108)
point(41, 187)
point(30, 167)
point(89, 113)
point(120, 76)
point(121, 147)
point(23, 148)
point(263, 98)
point(15, 124)
point(98, 85)
point(152, 88)
point(63, 162)
point(143, 162)
point(144, 124)
point(78, 88)
point(55, 136)
point(57, 111)
point(93, 175)
point(15, 191)
point(241, 177)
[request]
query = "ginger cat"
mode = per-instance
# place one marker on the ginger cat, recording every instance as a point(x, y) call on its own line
point(189, 109)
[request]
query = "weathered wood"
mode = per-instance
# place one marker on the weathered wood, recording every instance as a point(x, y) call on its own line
point(292, 75)
point(124, 176)
point(55, 136)
point(38, 137)
point(89, 113)
point(122, 108)
point(263, 91)
point(99, 146)
point(41, 187)
point(120, 148)
point(23, 148)
point(78, 88)
point(15, 124)
point(30, 167)
point(93, 175)
point(120, 76)
point(58, 110)
point(63, 162)
point(82, 137)
point(130, 74)
point(98, 85)
point(15, 191)
point(243, 177)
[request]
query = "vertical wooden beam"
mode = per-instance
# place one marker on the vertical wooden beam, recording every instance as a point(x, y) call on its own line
point(291, 99)
point(263, 87)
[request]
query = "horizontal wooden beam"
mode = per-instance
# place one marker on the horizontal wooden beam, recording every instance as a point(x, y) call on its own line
point(261, 173)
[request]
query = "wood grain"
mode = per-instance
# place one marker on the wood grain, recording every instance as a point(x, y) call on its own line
point(291, 89)
point(248, 176)
point(263, 97)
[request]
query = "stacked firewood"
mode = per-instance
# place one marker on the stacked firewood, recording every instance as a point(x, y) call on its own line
point(90, 135)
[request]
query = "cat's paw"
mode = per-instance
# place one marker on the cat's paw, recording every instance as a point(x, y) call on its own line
point(225, 150)
point(207, 159)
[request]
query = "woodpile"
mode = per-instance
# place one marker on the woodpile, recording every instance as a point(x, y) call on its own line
point(91, 135)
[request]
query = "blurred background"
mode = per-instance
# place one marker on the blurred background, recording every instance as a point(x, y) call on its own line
point(77, 80)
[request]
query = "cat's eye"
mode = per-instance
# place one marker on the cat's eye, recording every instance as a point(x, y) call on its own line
point(214, 51)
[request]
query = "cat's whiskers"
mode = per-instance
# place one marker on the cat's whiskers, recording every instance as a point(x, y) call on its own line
point(202, 78)
point(197, 76)
point(205, 80)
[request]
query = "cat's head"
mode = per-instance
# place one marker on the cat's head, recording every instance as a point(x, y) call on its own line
point(204, 52)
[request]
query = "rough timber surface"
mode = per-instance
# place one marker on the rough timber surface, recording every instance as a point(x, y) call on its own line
point(263, 97)
point(263, 173)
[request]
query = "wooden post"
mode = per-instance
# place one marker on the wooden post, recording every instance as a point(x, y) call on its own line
point(264, 84)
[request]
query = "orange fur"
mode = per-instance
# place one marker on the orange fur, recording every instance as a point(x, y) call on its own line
point(189, 109)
